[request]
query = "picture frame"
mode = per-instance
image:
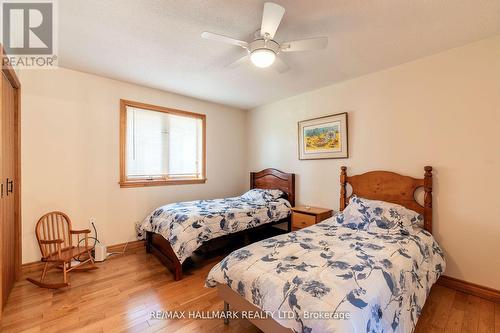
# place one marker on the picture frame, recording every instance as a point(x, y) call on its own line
point(323, 138)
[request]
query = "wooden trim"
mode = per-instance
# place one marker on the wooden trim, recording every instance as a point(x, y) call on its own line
point(124, 182)
point(123, 140)
point(31, 267)
point(2, 291)
point(161, 182)
point(132, 247)
point(8, 70)
point(470, 288)
point(152, 107)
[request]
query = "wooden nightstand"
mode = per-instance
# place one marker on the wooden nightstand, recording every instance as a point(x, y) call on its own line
point(303, 216)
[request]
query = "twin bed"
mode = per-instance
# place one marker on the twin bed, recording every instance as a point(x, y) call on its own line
point(174, 232)
point(368, 268)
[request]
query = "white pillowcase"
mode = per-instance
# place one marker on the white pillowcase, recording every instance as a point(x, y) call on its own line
point(378, 216)
point(258, 194)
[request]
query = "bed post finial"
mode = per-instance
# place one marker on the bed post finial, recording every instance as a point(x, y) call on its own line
point(428, 198)
point(343, 184)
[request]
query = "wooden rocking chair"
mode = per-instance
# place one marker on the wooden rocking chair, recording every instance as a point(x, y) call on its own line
point(54, 235)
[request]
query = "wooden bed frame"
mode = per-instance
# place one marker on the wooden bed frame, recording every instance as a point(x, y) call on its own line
point(265, 179)
point(390, 187)
point(376, 185)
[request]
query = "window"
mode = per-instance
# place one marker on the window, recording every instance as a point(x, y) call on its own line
point(160, 146)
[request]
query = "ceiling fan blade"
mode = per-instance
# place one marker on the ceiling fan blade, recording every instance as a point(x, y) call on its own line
point(224, 39)
point(271, 18)
point(305, 44)
point(238, 62)
point(280, 65)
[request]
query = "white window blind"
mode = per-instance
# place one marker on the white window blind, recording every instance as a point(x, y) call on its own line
point(163, 145)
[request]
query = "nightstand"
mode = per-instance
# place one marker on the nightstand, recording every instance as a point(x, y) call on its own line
point(305, 216)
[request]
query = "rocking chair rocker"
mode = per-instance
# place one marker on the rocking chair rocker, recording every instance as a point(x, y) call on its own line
point(54, 235)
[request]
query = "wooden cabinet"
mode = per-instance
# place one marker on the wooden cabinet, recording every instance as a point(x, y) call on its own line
point(305, 216)
point(10, 231)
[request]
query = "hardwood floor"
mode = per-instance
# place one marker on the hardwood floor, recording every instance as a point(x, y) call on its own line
point(119, 296)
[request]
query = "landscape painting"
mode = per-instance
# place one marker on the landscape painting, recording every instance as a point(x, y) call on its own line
point(324, 137)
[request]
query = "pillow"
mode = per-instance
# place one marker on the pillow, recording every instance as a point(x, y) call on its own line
point(377, 216)
point(258, 194)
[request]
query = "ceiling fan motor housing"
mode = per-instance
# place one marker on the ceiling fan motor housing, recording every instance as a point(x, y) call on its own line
point(266, 44)
point(263, 50)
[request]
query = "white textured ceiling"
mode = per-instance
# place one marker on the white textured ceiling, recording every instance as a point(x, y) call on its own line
point(157, 43)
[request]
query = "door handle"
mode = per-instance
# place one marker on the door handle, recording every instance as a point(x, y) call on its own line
point(1, 190)
point(10, 186)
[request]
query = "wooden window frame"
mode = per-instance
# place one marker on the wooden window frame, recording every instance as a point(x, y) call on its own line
point(124, 181)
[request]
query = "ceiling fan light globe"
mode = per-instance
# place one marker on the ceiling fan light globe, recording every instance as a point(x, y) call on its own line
point(262, 58)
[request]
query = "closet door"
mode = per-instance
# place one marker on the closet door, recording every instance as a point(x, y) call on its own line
point(8, 161)
point(1, 199)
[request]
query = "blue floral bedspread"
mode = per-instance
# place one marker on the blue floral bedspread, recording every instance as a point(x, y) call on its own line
point(187, 225)
point(379, 279)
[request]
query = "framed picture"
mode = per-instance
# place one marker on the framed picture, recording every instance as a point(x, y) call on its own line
point(324, 137)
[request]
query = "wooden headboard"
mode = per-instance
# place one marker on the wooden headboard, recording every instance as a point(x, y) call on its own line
point(275, 179)
point(391, 187)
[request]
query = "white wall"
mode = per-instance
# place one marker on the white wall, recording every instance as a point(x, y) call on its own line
point(70, 153)
point(442, 111)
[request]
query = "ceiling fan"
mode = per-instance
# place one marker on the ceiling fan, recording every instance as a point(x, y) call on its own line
point(263, 50)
